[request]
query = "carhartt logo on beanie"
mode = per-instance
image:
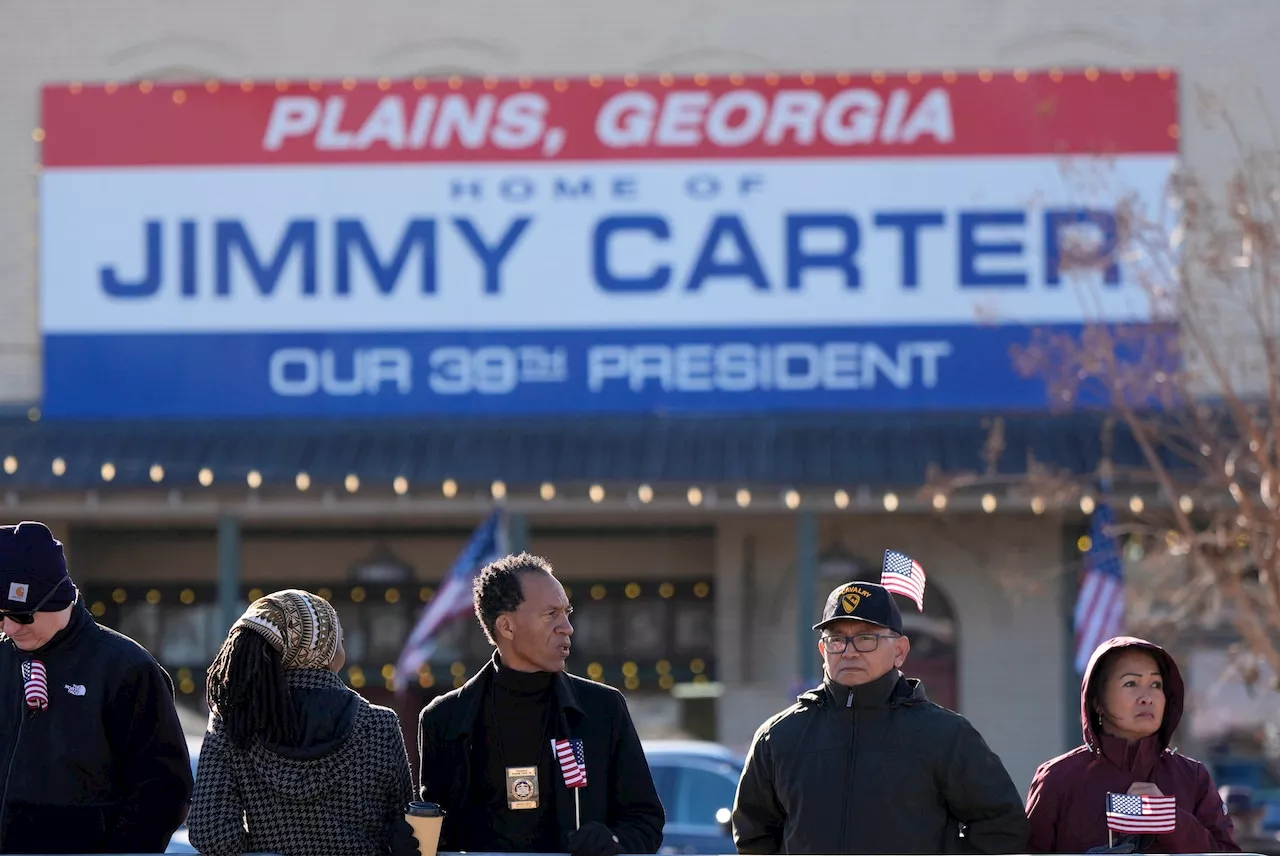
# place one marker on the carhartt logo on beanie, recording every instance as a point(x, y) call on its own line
point(32, 563)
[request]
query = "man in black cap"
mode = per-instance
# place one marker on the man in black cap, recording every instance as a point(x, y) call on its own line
point(94, 754)
point(866, 763)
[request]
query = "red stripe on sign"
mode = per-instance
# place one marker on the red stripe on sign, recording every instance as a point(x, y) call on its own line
point(471, 120)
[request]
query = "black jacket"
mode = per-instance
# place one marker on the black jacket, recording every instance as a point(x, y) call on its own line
point(104, 769)
point(874, 769)
point(620, 792)
point(338, 790)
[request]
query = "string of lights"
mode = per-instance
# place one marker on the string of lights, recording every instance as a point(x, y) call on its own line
point(643, 494)
point(180, 93)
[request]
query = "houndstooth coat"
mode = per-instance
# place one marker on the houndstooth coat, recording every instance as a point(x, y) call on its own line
point(337, 796)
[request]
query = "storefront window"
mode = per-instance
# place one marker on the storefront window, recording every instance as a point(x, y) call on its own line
point(354, 638)
point(644, 630)
point(593, 628)
point(388, 626)
point(191, 636)
point(641, 639)
point(142, 622)
point(695, 627)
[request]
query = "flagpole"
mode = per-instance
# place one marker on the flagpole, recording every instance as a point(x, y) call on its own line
point(577, 808)
point(1105, 466)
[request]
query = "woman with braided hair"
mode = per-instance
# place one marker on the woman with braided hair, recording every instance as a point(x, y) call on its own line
point(294, 762)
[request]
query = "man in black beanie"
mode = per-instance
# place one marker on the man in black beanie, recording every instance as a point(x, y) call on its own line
point(95, 756)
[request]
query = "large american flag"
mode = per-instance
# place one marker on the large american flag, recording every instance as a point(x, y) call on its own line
point(455, 598)
point(572, 762)
point(1100, 604)
point(903, 575)
point(1141, 814)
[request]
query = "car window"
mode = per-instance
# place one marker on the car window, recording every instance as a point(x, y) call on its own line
point(1245, 772)
point(664, 779)
point(703, 794)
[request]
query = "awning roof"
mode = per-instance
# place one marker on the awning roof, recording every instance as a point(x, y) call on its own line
point(795, 450)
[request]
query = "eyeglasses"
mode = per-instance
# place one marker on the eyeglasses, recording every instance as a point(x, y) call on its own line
point(864, 642)
point(29, 616)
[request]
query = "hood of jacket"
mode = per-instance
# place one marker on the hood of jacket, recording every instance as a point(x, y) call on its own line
point(1065, 804)
point(328, 711)
point(1091, 689)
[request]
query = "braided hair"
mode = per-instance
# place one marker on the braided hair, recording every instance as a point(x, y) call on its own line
point(246, 688)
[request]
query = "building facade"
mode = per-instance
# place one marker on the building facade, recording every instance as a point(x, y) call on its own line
point(697, 547)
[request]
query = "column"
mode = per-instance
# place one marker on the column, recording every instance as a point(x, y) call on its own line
point(806, 594)
point(228, 570)
point(1070, 592)
point(517, 532)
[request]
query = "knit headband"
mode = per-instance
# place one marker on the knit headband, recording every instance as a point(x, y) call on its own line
point(302, 626)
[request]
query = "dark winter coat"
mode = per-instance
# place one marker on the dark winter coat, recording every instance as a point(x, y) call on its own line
point(619, 793)
point(874, 769)
point(1067, 800)
point(104, 768)
point(339, 791)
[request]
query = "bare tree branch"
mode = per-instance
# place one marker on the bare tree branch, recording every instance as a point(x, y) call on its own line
point(1196, 391)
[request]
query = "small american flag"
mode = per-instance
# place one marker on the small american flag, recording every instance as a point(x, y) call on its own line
point(572, 762)
point(1141, 814)
point(903, 575)
point(35, 684)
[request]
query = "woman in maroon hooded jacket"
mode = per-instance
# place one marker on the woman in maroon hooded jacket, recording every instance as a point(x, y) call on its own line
point(1130, 704)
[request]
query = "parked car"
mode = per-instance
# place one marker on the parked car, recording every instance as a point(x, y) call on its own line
point(696, 782)
point(1271, 819)
point(180, 843)
point(1257, 774)
point(1254, 772)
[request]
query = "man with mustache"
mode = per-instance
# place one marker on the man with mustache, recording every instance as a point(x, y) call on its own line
point(486, 748)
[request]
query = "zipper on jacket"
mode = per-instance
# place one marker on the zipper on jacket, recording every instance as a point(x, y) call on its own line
point(848, 784)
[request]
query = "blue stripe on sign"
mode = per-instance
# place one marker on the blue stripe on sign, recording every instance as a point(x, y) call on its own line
point(530, 372)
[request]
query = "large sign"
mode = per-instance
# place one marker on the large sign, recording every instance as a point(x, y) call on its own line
point(727, 244)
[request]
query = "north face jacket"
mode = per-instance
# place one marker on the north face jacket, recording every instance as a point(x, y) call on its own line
point(104, 768)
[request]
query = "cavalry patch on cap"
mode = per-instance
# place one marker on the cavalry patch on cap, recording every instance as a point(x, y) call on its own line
point(851, 597)
point(18, 592)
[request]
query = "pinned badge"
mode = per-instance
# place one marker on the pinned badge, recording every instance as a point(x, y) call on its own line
point(522, 788)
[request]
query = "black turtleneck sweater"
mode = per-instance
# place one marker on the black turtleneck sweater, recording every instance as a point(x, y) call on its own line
point(514, 731)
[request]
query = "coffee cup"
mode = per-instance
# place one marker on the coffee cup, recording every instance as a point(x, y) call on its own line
point(426, 819)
